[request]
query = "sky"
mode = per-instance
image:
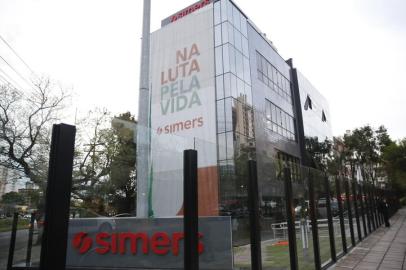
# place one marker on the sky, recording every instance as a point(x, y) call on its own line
point(353, 52)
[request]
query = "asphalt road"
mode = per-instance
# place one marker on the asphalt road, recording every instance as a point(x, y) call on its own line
point(20, 248)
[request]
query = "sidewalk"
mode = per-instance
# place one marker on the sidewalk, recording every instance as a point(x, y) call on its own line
point(384, 249)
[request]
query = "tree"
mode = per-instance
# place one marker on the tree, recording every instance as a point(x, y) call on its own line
point(25, 119)
point(94, 149)
point(318, 153)
point(122, 184)
point(13, 198)
point(104, 166)
point(394, 160)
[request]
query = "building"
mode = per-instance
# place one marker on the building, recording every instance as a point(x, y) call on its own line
point(219, 85)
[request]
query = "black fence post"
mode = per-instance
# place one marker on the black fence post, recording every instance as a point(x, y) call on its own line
point(290, 213)
point(313, 218)
point(349, 210)
point(355, 199)
point(371, 207)
point(29, 244)
point(367, 206)
point(361, 202)
point(330, 219)
point(376, 204)
point(12, 242)
point(59, 186)
point(341, 214)
point(190, 208)
point(255, 227)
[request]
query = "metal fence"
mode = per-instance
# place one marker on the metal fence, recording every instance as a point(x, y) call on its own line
point(320, 218)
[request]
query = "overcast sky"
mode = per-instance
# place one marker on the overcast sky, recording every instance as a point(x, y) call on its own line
point(353, 51)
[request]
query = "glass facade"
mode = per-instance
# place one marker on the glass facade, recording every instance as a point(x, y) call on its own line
point(315, 111)
point(279, 121)
point(270, 76)
point(235, 123)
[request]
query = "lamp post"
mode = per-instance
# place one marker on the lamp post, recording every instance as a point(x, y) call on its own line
point(143, 144)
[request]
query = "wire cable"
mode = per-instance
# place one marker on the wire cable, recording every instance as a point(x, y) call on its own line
point(19, 57)
point(24, 79)
point(9, 80)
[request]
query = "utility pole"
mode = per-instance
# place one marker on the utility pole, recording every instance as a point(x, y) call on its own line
point(143, 144)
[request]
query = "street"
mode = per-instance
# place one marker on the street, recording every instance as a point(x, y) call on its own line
point(20, 248)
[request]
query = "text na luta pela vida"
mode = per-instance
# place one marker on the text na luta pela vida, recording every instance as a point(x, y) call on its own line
point(179, 84)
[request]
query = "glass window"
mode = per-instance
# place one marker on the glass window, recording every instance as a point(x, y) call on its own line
point(224, 10)
point(268, 109)
point(273, 111)
point(239, 65)
point(219, 87)
point(227, 85)
point(258, 61)
point(229, 114)
point(226, 57)
point(219, 61)
point(224, 30)
point(236, 18)
point(274, 74)
point(245, 50)
point(247, 76)
point(230, 30)
point(229, 12)
point(248, 92)
point(288, 122)
point(217, 13)
point(231, 52)
point(260, 76)
point(237, 40)
point(222, 152)
point(217, 35)
point(264, 66)
point(269, 66)
point(230, 145)
point(284, 120)
point(243, 25)
point(240, 88)
point(220, 116)
point(233, 81)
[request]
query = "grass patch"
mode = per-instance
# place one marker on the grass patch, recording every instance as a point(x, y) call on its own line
point(6, 224)
point(277, 256)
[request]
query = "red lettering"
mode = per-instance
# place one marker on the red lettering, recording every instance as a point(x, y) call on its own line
point(200, 121)
point(200, 246)
point(188, 124)
point(113, 245)
point(105, 245)
point(133, 237)
point(176, 237)
point(160, 242)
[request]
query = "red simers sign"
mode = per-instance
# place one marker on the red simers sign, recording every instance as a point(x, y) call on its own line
point(186, 11)
point(159, 243)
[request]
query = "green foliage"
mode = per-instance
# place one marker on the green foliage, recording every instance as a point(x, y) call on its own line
point(13, 198)
point(318, 153)
point(394, 160)
point(122, 187)
point(105, 173)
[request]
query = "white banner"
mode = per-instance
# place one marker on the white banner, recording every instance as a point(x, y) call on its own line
point(183, 110)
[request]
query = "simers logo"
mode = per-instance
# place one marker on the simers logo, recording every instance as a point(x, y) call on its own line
point(190, 9)
point(160, 243)
point(181, 125)
point(82, 242)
